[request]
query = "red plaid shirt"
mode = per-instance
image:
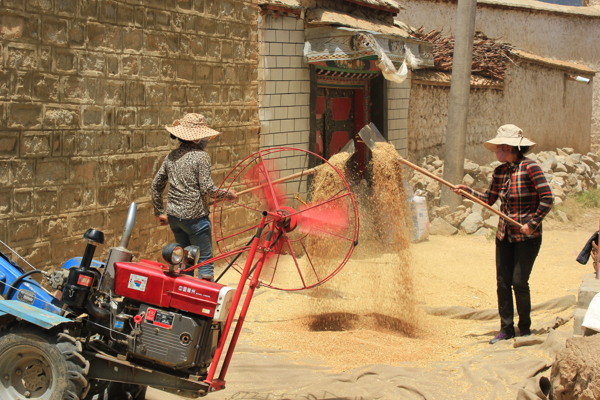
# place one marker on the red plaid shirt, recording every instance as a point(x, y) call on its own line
point(524, 195)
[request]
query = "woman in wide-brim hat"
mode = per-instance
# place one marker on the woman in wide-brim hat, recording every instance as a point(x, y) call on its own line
point(187, 170)
point(510, 135)
point(192, 127)
point(526, 197)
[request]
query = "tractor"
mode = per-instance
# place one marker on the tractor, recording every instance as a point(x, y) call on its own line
point(107, 330)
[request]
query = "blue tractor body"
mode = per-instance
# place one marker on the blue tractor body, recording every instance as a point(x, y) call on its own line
point(29, 292)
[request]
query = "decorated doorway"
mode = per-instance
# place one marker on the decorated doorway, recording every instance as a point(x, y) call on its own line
point(345, 96)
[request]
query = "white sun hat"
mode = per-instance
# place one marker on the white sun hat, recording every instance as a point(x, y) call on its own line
point(511, 135)
point(191, 127)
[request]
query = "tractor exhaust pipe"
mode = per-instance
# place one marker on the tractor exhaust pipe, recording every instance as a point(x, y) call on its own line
point(131, 214)
point(118, 254)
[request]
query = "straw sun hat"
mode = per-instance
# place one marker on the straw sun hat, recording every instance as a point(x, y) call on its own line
point(191, 127)
point(511, 135)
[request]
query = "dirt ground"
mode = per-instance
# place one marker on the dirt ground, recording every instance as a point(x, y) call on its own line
point(376, 325)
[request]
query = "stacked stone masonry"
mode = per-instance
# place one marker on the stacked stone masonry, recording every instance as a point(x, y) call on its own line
point(86, 88)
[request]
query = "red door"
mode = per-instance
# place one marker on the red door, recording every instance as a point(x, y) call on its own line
point(339, 115)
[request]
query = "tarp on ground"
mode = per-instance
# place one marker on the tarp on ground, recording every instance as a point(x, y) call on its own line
point(510, 369)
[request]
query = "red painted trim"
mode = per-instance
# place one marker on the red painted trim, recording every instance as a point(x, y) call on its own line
point(338, 141)
point(359, 122)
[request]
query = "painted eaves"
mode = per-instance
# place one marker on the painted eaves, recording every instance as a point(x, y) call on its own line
point(293, 4)
point(388, 5)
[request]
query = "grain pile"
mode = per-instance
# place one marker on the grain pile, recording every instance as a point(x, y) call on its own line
point(327, 184)
point(375, 290)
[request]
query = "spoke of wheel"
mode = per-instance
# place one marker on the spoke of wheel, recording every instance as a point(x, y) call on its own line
point(297, 267)
point(310, 261)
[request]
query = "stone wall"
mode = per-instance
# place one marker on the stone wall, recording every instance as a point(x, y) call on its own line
point(86, 88)
point(428, 121)
point(557, 115)
point(568, 173)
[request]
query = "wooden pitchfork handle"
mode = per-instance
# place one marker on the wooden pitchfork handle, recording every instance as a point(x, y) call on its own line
point(462, 192)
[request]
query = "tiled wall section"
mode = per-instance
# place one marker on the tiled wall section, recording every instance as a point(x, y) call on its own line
point(285, 83)
point(284, 87)
point(398, 99)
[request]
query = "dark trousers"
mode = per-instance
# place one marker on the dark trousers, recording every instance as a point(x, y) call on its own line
point(514, 262)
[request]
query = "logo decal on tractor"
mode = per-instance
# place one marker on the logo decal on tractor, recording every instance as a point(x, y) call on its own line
point(186, 289)
point(137, 282)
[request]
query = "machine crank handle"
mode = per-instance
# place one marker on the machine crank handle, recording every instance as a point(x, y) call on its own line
point(283, 179)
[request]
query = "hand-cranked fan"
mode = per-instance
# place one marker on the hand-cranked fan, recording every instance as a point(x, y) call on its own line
point(312, 216)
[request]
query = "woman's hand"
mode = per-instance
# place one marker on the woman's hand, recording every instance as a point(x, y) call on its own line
point(527, 230)
point(163, 220)
point(458, 188)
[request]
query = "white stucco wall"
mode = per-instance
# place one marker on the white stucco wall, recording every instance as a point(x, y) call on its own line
point(554, 118)
point(553, 31)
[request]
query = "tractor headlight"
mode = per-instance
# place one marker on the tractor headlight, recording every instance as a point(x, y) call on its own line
point(173, 253)
point(192, 255)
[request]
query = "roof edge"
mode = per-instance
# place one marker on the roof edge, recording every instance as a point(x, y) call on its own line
point(564, 65)
point(532, 5)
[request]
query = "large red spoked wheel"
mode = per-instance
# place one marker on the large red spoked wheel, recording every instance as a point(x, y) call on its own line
point(312, 222)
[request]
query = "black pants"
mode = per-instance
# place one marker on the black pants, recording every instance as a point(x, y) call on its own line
point(514, 262)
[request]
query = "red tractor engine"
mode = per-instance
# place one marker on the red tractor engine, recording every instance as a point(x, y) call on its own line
point(150, 282)
point(174, 319)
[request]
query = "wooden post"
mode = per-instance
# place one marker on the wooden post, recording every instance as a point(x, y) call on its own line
point(458, 99)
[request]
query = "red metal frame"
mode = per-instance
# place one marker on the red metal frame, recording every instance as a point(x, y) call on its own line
point(270, 222)
point(219, 383)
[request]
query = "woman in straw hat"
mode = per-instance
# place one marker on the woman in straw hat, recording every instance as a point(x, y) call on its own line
point(187, 170)
point(526, 197)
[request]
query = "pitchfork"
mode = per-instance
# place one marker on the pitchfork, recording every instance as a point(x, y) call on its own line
point(371, 135)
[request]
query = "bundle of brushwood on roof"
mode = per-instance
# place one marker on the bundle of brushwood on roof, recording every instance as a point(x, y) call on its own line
point(489, 56)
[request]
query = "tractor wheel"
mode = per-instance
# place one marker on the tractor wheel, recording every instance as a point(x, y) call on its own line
point(35, 366)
